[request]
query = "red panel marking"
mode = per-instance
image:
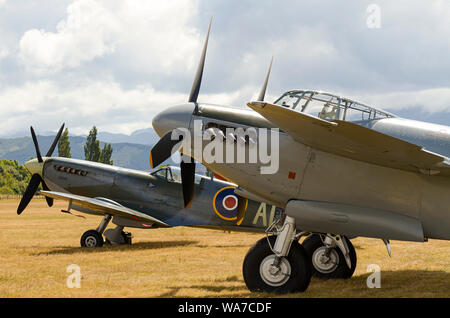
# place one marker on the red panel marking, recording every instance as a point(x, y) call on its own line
point(218, 176)
point(291, 175)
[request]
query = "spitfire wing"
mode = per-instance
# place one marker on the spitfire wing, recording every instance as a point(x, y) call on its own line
point(103, 207)
point(353, 141)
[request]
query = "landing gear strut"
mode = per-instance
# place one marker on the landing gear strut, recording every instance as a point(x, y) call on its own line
point(116, 236)
point(331, 256)
point(278, 264)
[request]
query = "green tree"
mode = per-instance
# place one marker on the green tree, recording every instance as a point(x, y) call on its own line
point(92, 146)
point(105, 155)
point(64, 145)
point(14, 178)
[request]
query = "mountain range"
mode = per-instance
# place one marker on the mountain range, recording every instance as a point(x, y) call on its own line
point(129, 151)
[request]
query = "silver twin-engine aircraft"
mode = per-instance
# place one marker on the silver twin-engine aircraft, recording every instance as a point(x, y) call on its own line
point(345, 169)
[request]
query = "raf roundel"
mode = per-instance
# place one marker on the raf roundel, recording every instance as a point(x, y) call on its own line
point(225, 203)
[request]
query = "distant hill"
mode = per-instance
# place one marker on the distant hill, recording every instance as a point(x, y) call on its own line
point(145, 136)
point(127, 155)
point(142, 136)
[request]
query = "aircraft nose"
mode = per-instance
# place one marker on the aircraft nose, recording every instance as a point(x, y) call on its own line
point(34, 166)
point(174, 117)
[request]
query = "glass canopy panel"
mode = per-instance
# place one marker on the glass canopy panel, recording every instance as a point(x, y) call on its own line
point(329, 107)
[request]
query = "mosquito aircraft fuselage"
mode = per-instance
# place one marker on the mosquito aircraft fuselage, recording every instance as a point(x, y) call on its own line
point(391, 203)
point(156, 194)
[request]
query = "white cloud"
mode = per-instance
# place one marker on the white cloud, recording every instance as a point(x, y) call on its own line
point(87, 32)
point(147, 34)
point(4, 52)
point(44, 104)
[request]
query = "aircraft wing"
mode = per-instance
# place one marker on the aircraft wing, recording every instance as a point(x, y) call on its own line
point(103, 207)
point(353, 141)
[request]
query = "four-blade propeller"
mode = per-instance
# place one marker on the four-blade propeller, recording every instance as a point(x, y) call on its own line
point(36, 178)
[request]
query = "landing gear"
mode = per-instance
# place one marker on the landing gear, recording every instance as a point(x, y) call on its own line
point(330, 256)
point(116, 236)
point(265, 272)
point(91, 239)
point(278, 264)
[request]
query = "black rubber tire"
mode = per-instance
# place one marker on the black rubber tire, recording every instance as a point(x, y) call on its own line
point(298, 260)
point(96, 239)
point(313, 242)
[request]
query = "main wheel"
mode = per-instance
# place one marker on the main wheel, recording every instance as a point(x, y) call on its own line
point(293, 273)
point(331, 263)
point(91, 239)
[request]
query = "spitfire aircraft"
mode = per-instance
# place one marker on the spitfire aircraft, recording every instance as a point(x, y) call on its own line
point(138, 199)
point(346, 169)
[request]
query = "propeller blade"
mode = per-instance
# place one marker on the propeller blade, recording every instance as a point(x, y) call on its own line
point(36, 145)
point(29, 192)
point(198, 76)
point(262, 94)
point(242, 207)
point(187, 166)
point(55, 142)
point(49, 200)
point(163, 149)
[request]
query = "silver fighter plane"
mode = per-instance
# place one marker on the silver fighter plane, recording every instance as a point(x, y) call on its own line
point(138, 199)
point(346, 169)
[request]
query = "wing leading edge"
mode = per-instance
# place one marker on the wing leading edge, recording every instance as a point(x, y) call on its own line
point(103, 207)
point(353, 141)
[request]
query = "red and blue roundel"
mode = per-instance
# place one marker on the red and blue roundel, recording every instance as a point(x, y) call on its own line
point(225, 203)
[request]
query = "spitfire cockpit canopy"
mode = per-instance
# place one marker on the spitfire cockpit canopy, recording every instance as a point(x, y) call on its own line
point(329, 107)
point(173, 174)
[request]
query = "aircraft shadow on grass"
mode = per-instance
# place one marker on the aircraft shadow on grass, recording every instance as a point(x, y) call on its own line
point(118, 248)
point(393, 284)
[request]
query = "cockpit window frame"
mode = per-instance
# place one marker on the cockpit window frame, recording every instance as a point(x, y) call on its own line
point(340, 104)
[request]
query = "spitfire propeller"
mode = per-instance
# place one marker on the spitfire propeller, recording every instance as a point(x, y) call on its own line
point(35, 167)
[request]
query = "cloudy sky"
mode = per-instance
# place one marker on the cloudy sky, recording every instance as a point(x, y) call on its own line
point(117, 63)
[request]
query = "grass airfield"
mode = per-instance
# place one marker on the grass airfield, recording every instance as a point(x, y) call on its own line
point(37, 247)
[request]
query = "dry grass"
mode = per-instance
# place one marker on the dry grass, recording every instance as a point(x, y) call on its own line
point(36, 248)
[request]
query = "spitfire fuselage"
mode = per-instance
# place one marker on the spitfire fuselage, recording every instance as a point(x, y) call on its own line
point(152, 194)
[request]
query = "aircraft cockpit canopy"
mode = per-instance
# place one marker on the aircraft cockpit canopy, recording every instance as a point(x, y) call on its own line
point(173, 174)
point(329, 107)
point(169, 174)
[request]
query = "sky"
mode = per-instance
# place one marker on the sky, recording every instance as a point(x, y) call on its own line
point(117, 63)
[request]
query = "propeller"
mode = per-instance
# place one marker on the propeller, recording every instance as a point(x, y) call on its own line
point(165, 146)
point(262, 93)
point(37, 179)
